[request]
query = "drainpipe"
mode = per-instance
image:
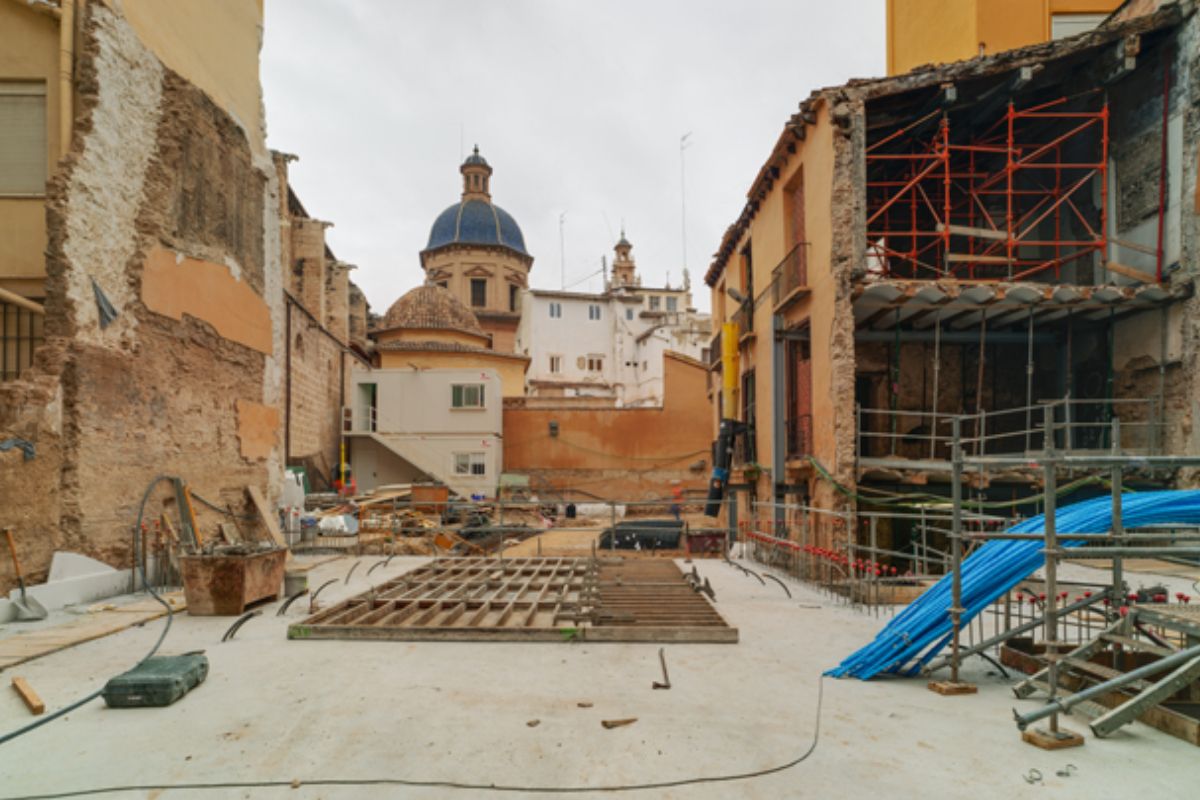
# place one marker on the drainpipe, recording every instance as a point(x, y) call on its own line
point(66, 69)
point(778, 426)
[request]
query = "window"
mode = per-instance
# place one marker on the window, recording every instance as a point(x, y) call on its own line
point(478, 292)
point(595, 363)
point(23, 137)
point(556, 364)
point(466, 395)
point(1064, 25)
point(593, 312)
point(555, 310)
point(514, 297)
point(444, 284)
point(629, 313)
point(654, 302)
point(672, 304)
point(470, 464)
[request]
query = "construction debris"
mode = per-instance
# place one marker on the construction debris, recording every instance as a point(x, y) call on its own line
point(618, 723)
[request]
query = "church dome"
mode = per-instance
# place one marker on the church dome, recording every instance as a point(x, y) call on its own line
point(431, 306)
point(476, 222)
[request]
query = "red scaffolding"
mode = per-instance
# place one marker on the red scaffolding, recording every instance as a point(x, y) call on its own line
point(1028, 195)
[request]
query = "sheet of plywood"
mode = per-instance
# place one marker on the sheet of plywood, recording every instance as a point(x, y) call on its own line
point(24, 646)
point(268, 517)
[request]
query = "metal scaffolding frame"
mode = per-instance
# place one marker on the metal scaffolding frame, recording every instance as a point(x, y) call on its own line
point(988, 195)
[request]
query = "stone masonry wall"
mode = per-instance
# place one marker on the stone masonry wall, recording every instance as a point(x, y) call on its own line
point(318, 365)
point(155, 167)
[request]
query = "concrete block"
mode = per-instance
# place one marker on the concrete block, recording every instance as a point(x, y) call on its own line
point(65, 565)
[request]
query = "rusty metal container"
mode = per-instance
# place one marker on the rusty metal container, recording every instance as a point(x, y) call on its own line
point(223, 585)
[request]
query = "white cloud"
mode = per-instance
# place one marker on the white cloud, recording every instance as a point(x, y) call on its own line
point(577, 106)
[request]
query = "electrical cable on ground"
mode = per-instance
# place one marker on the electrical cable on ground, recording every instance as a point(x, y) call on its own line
point(388, 781)
point(8, 737)
point(477, 787)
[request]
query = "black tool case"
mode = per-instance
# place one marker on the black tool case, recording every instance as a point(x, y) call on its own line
point(158, 681)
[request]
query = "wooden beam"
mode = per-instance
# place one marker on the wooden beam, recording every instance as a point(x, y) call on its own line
point(978, 233)
point(1130, 272)
point(29, 696)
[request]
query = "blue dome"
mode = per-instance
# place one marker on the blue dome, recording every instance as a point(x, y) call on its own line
point(476, 222)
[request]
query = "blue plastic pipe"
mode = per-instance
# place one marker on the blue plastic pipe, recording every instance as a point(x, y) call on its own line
point(918, 633)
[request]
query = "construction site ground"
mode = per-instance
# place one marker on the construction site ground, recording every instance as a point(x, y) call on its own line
point(281, 711)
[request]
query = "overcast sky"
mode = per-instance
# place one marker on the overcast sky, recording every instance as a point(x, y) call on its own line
point(578, 106)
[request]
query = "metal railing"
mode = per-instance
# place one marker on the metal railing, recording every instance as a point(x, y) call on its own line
point(744, 318)
point(21, 333)
point(791, 273)
point(1081, 425)
point(714, 349)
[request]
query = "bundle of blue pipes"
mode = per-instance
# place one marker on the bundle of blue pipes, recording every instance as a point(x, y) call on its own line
point(917, 634)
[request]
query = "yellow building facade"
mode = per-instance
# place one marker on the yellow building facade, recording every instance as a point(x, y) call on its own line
point(38, 98)
point(923, 32)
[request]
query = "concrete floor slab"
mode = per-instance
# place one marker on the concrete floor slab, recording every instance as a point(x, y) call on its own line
point(278, 710)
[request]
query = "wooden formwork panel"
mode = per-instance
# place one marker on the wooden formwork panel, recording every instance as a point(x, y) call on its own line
point(528, 600)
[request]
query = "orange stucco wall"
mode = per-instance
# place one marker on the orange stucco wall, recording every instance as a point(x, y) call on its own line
point(939, 31)
point(618, 453)
point(173, 285)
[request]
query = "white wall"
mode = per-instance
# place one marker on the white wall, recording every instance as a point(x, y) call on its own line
point(632, 370)
point(417, 427)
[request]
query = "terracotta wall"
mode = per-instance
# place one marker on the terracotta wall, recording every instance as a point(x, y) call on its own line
point(618, 453)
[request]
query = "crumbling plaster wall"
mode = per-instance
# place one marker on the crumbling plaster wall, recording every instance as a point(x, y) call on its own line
point(154, 165)
point(1188, 77)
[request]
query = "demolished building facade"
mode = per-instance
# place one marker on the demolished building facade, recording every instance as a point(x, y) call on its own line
point(990, 236)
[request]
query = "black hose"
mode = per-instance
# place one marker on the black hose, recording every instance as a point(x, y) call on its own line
point(8, 737)
point(376, 566)
point(781, 583)
point(353, 567)
point(286, 603)
point(242, 620)
point(755, 574)
point(312, 600)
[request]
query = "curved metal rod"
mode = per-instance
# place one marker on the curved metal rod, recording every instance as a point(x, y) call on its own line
point(755, 574)
point(242, 620)
point(376, 566)
point(283, 608)
point(388, 560)
point(353, 567)
point(312, 601)
point(781, 583)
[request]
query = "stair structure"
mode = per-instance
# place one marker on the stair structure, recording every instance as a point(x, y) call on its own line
point(1145, 666)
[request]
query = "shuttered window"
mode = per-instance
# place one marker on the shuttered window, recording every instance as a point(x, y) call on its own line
point(22, 138)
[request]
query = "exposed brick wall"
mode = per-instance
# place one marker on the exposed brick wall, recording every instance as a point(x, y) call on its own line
point(307, 279)
point(337, 300)
point(317, 362)
point(153, 164)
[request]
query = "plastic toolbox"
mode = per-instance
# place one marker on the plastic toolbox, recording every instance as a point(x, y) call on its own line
point(158, 681)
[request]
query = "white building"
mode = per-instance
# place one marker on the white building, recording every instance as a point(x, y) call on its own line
point(415, 424)
point(608, 345)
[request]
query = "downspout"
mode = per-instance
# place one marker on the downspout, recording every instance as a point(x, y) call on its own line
point(287, 380)
point(66, 70)
point(778, 432)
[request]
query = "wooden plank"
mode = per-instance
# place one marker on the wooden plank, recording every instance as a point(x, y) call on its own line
point(978, 233)
point(268, 518)
point(1130, 272)
point(32, 701)
point(966, 258)
point(18, 649)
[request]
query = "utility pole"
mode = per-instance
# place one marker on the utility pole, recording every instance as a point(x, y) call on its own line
point(684, 144)
point(562, 250)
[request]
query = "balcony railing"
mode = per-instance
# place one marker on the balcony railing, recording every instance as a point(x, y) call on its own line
point(791, 274)
point(799, 436)
point(20, 335)
point(744, 318)
point(714, 350)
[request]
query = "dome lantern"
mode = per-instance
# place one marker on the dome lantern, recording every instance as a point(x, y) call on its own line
point(476, 174)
